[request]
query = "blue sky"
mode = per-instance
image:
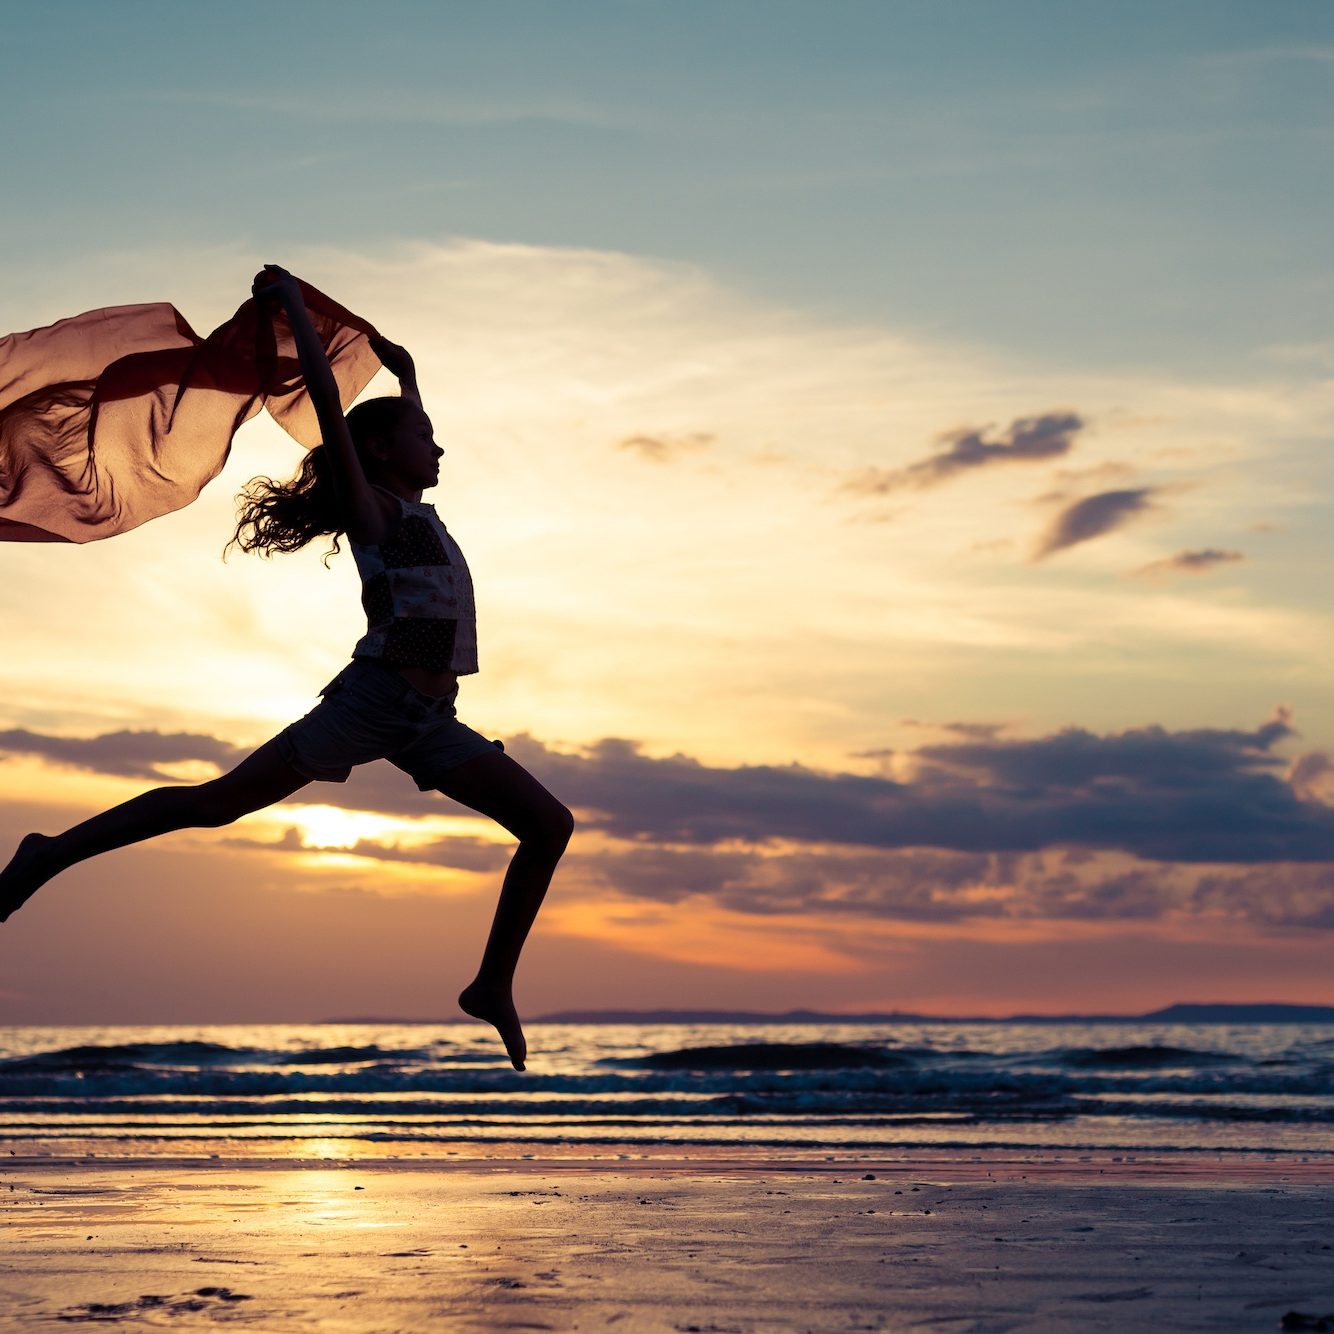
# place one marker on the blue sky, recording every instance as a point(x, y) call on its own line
point(1120, 183)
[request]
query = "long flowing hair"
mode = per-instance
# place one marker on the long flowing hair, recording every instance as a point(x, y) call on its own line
point(285, 516)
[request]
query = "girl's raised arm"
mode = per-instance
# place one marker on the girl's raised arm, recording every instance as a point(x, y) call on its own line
point(398, 362)
point(363, 511)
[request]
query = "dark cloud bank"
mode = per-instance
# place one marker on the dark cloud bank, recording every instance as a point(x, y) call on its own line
point(1135, 824)
point(1207, 795)
point(122, 754)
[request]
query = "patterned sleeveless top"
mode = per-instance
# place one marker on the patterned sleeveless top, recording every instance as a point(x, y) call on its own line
point(418, 596)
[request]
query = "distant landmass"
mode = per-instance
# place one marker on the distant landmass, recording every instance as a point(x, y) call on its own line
point(1171, 1014)
point(1274, 1013)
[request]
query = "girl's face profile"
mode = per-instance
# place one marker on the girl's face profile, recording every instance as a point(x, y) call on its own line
point(413, 455)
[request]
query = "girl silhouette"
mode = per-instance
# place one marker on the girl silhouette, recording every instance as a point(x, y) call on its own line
point(395, 700)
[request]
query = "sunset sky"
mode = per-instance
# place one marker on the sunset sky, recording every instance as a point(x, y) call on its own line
point(891, 441)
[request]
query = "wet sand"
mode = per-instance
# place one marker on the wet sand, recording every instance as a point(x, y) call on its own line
point(737, 1243)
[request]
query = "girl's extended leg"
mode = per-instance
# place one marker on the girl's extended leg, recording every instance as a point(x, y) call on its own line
point(258, 781)
point(506, 792)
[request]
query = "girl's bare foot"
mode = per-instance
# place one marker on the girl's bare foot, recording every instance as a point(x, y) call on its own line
point(496, 1006)
point(29, 869)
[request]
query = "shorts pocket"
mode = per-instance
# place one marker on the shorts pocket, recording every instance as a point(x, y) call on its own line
point(337, 684)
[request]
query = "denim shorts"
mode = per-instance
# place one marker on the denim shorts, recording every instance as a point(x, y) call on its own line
point(369, 712)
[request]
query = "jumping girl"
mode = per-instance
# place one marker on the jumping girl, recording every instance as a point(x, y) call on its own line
point(395, 700)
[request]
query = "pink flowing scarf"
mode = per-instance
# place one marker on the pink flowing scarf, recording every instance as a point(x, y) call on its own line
point(118, 416)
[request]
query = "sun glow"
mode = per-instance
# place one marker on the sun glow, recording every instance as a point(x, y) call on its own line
point(334, 827)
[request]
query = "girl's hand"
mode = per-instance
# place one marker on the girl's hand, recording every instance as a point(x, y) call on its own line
point(397, 360)
point(273, 284)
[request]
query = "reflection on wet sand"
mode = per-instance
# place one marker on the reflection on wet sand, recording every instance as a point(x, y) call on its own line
point(744, 1245)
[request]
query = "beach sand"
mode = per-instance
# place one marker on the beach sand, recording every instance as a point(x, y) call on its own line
point(738, 1243)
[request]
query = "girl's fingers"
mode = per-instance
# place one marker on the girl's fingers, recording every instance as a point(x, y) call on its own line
point(394, 358)
point(269, 283)
point(270, 276)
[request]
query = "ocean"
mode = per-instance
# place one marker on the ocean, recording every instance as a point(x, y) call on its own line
point(341, 1090)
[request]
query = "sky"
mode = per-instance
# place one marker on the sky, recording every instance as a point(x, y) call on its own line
point(890, 442)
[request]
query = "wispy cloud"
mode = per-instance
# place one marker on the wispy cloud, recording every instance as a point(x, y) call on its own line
point(1311, 776)
point(1278, 53)
point(1027, 440)
point(665, 448)
point(1092, 517)
point(458, 852)
point(384, 104)
point(1192, 562)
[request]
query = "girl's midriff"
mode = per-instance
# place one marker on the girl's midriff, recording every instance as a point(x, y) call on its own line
point(438, 684)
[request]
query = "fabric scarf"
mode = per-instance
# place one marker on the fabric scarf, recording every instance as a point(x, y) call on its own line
point(118, 416)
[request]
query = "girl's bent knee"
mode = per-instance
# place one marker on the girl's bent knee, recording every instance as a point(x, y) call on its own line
point(564, 824)
point(551, 828)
